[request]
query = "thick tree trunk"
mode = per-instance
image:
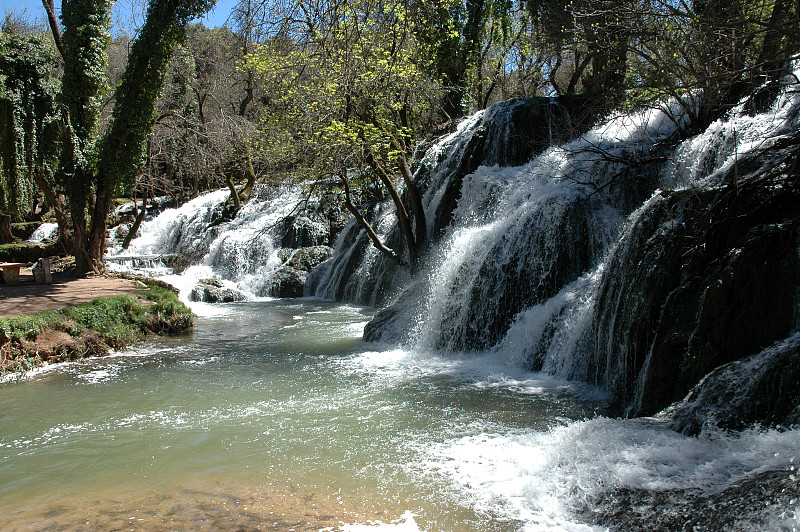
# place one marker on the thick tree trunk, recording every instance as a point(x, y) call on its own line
point(97, 236)
point(83, 262)
point(5, 229)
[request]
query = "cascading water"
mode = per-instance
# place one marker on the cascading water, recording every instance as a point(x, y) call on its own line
point(242, 253)
point(45, 231)
point(573, 263)
point(547, 263)
point(519, 235)
point(505, 134)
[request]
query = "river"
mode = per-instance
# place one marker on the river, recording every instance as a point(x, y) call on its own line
point(270, 412)
point(276, 415)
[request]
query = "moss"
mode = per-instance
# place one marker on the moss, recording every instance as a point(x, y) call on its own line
point(28, 327)
point(24, 230)
point(90, 328)
point(28, 252)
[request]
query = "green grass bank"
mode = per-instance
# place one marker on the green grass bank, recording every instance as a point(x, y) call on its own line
point(89, 329)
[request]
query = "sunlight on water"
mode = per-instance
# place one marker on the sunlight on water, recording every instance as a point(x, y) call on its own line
point(275, 415)
point(272, 410)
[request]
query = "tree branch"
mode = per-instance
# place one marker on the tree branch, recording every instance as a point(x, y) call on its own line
point(376, 241)
point(53, 21)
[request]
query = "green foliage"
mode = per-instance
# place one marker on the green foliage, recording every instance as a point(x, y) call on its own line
point(29, 139)
point(85, 40)
point(352, 89)
point(105, 166)
point(120, 319)
point(125, 319)
point(123, 147)
point(29, 326)
point(22, 252)
point(167, 304)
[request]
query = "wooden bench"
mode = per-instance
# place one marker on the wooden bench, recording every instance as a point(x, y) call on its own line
point(11, 271)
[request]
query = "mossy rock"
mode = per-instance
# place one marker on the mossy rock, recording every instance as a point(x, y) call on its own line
point(21, 252)
point(24, 230)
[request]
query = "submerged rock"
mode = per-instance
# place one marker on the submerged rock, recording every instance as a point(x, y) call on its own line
point(213, 291)
point(760, 389)
point(290, 279)
point(756, 502)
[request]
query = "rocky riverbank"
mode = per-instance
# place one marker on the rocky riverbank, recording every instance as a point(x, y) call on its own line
point(92, 328)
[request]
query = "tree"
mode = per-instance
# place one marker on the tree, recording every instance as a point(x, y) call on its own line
point(28, 121)
point(93, 167)
point(347, 96)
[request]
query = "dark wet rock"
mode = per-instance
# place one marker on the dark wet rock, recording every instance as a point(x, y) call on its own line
point(290, 279)
point(763, 389)
point(302, 232)
point(384, 326)
point(702, 279)
point(763, 501)
point(213, 291)
point(287, 282)
point(306, 259)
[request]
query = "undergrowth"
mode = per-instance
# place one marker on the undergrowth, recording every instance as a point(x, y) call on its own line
point(118, 320)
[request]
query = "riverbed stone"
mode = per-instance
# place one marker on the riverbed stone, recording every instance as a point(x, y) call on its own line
point(213, 291)
point(290, 279)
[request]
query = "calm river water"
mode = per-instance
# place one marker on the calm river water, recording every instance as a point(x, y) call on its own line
point(274, 415)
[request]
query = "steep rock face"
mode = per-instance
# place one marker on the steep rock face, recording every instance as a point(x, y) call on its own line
point(760, 389)
point(507, 134)
point(704, 278)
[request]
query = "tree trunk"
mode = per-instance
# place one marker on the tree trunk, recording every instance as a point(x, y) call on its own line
point(373, 236)
point(403, 218)
point(5, 229)
point(250, 175)
point(237, 202)
point(83, 262)
point(415, 198)
point(136, 223)
point(97, 236)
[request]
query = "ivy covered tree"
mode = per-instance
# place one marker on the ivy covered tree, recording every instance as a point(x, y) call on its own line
point(93, 167)
point(29, 139)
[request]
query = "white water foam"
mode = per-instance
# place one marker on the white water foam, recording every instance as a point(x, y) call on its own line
point(550, 479)
point(45, 231)
point(241, 253)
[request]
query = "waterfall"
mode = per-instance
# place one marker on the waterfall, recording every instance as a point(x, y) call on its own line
point(46, 231)
point(518, 235)
point(575, 263)
point(242, 253)
point(506, 134)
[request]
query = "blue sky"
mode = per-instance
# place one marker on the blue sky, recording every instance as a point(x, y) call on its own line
point(123, 10)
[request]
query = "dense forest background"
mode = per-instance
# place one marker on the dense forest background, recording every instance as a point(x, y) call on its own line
point(335, 94)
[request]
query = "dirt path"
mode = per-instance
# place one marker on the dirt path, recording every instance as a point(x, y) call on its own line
point(27, 296)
